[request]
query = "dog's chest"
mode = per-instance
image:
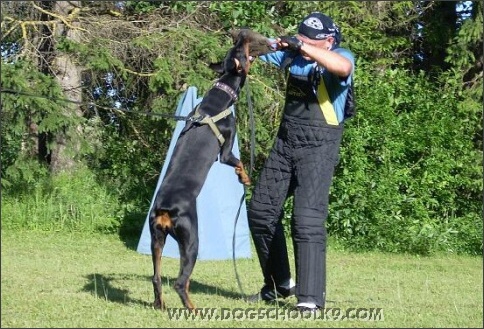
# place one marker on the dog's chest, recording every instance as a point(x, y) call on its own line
point(215, 101)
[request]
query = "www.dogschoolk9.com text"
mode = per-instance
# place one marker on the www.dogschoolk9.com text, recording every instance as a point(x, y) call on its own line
point(276, 314)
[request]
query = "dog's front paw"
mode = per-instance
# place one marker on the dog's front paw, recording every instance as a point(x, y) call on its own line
point(243, 177)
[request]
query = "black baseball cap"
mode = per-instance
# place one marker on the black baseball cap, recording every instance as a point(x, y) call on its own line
point(318, 26)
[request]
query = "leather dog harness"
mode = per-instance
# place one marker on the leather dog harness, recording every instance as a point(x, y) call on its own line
point(210, 121)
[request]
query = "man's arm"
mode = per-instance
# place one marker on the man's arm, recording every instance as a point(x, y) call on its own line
point(332, 61)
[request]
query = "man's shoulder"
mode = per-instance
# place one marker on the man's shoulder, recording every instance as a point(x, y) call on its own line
point(345, 52)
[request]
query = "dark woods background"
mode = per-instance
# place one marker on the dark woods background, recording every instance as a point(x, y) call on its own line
point(78, 77)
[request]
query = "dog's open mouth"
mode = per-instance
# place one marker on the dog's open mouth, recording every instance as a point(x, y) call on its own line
point(238, 67)
point(241, 68)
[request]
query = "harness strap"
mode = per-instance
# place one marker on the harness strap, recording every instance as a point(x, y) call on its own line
point(210, 121)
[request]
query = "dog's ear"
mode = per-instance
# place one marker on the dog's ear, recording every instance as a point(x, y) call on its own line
point(217, 67)
point(234, 33)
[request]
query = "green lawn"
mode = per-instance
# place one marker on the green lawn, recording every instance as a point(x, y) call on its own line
point(79, 280)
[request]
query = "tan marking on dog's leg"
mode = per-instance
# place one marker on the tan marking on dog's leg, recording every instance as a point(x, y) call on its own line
point(189, 305)
point(157, 243)
point(163, 221)
point(156, 257)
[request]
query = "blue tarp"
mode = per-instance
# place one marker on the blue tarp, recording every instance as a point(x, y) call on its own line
point(217, 204)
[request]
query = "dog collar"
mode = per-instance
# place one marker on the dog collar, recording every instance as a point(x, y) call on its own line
point(227, 89)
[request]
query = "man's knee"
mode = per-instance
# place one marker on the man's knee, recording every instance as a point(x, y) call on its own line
point(260, 215)
point(308, 225)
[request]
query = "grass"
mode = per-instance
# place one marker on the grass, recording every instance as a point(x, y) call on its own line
point(58, 279)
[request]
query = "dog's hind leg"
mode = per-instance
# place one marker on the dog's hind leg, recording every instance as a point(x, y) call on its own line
point(160, 225)
point(187, 234)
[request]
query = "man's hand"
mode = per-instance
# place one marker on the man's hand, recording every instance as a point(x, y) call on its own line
point(293, 43)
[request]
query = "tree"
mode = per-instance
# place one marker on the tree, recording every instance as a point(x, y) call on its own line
point(38, 27)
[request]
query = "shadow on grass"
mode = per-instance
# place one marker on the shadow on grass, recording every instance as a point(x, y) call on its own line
point(131, 228)
point(113, 288)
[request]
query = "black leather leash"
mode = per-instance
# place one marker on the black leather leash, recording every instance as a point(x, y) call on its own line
point(91, 104)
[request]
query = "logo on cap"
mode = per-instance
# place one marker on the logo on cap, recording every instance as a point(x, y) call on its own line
point(314, 23)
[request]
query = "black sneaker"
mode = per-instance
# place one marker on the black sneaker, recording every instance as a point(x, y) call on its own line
point(270, 294)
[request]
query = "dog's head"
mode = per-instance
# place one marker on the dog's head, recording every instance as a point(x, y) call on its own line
point(247, 45)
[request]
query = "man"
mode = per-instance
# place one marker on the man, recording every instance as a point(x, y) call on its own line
point(301, 162)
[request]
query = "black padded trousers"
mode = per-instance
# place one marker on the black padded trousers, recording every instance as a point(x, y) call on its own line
point(301, 163)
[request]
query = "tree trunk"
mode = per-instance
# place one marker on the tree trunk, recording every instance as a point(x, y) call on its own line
point(66, 143)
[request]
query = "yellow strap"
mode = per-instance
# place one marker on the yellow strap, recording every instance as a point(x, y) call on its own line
point(325, 104)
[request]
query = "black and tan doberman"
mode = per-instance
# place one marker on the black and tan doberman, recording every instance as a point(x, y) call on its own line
point(208, 133)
